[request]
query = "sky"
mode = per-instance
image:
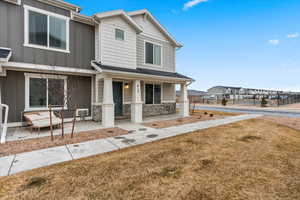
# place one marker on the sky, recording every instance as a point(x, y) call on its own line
point(247, 43)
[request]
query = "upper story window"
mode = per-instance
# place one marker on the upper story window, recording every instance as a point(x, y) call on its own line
point(152, 54)
point(119, 34)
point(46, 30)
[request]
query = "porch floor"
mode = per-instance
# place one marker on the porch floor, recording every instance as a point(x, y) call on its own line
point(22, 133)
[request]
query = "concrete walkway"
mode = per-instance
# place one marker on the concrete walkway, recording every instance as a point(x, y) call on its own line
point(139, 135)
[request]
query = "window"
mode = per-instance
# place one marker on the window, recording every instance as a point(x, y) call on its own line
point(152, 54)
point(119, 34)
point(44, 90)
point(46, 30)
point(153, 93)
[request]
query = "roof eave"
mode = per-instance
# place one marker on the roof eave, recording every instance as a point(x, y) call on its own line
point(62, 4)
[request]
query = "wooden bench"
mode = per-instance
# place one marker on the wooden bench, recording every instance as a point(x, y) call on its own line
point(41, 119)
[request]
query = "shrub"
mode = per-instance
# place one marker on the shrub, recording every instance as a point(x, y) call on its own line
point(224, 102)
point(264, 102)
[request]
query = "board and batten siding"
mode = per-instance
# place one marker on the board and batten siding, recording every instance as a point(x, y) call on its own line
point(81, 43)
point(115, 52)
point(168, 54)
point(13, 93)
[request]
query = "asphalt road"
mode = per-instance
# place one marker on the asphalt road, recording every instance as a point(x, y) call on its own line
point(281, 113)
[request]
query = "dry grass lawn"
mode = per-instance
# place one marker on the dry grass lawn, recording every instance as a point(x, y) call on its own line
point(253, 159)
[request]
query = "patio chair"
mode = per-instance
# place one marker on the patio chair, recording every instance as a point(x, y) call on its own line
point(38, 120)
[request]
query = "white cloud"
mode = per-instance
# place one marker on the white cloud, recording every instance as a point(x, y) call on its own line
point(192, 3)
point(293, 35)
point(274, 42)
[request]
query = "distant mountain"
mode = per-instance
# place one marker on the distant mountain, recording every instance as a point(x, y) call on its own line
point(193, 93)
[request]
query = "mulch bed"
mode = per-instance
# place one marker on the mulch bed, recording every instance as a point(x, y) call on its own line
point(27, 145)
point(196, 117)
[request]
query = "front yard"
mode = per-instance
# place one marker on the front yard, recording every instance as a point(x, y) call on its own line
point(253, 159)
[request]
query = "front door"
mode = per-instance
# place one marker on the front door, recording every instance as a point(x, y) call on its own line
point(118, 98)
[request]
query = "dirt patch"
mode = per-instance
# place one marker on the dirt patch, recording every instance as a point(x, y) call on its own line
point(197, 116)
point(27, 145)
point(34, 182)
point(173, 169)
point(249, 138)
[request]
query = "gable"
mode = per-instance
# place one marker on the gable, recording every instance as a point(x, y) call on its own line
point(149, 27)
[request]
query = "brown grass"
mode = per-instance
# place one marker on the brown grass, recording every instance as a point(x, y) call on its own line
point(227, 162)
point(197, 116)
point(21, 146)
point(285, 121)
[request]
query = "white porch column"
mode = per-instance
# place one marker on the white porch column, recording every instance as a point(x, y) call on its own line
point(184, 101)
point(136, 103)
point(108, 109)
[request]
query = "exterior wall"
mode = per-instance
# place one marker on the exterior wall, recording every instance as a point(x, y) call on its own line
point(168, 54)
point(81, 43)
point(127, 92)
point(168, 92)
point(13, 93)
point(148, 27)
point(116, 52)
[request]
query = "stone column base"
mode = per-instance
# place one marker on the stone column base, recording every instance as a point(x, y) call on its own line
point(108, 115)
point(136, 112)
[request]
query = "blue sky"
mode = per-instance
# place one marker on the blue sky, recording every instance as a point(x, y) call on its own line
point(248, 43)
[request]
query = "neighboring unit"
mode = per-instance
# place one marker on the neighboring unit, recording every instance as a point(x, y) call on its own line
point(112, 64)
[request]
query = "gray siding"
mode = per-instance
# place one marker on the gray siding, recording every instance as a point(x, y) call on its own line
point(13, 93)
point(168, 54)
point(82, 38)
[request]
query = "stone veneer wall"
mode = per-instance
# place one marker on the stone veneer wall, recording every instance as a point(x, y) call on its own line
point(148, 110)
point(159, 109)
point(97, 113)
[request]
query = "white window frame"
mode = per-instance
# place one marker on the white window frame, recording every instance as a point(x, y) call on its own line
point(161, 54)
point(161, 93)
point(119, 39)
point(26, 29)
point(28, 76)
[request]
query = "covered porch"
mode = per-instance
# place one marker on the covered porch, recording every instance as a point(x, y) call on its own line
point(125, 93)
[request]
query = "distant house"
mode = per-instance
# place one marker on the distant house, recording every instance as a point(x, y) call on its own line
point(239, 92)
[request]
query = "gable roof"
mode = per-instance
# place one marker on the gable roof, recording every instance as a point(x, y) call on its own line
point(156, 22)
point(121, 13)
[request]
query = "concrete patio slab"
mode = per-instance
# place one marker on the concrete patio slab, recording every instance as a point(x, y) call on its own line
point(90, 148)
point(5, 164)
point(40, 158)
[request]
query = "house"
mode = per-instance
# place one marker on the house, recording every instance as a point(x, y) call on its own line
point(240, 93)
point(112, 64)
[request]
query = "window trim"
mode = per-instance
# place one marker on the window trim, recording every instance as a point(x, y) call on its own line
point(26, 29)
point(119, 39)
point(161, 93)
point(43, 76)
point(161, 54)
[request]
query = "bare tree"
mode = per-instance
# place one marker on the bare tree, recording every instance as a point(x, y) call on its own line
point(61, 95)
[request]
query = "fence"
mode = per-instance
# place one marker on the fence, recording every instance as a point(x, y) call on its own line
point(255, 100)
